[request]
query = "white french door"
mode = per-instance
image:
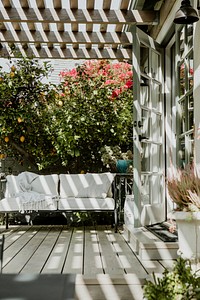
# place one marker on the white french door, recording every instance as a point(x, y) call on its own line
point(148, 132)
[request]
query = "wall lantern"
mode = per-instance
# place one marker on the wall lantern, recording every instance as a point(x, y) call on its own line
point(186, 14)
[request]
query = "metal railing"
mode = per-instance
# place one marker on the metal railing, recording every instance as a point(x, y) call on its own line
point(123, 186)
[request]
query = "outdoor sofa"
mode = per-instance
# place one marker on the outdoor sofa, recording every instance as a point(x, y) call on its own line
point(29, 192)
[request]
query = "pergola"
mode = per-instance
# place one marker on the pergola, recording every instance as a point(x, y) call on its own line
point(72, 29)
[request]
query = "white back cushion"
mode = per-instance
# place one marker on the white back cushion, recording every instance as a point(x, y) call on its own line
point(12, 186)
point(45, 184)
point(85, 185)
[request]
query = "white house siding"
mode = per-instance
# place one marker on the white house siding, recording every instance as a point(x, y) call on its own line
point(197, 91)
point(57, 66)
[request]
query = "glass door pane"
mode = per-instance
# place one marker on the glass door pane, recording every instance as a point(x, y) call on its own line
point(151, 132)
point(184, 94)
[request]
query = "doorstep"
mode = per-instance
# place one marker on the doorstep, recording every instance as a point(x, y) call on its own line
point(148, 246)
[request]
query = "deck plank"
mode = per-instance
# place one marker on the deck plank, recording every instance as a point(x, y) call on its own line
point(92, 255)
point(111, 262)
point(74, 260)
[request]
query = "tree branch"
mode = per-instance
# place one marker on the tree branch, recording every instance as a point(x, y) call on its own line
point(23, 152)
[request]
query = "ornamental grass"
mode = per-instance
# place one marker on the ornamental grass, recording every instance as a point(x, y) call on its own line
point(184, 188)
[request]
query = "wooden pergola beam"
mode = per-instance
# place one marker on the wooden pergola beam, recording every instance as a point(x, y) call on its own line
point(6, 3)
point(56, 53)
point(80, 16)
point(22, 36)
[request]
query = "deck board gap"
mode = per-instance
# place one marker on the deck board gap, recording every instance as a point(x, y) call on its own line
point(84, 245)
point(67, 252)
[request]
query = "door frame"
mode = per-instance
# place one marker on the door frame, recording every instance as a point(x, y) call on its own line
point(151, 213)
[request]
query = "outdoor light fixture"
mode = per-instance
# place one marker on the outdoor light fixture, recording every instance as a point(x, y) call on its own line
point(186, 14)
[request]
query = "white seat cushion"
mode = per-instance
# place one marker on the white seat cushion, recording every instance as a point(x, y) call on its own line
point(72, 203)
point(10, 204)
point(15, 204)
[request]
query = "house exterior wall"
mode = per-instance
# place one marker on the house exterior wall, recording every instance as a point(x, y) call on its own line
point(169, 87)
point(197, 92)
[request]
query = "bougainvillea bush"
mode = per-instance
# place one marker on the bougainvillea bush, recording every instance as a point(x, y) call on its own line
point(94, 108)
point(65, 125)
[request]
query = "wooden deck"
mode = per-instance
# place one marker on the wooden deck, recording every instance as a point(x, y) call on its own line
point(104, 262)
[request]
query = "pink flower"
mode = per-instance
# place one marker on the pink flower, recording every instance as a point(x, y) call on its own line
point(191, 71)
point(71, 73)
point(116, 93)
point(122, 76)
point(130, 73)
point(129, 84)
point(109, 81)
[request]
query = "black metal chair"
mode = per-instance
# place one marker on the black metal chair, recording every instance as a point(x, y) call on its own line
point(2, 238)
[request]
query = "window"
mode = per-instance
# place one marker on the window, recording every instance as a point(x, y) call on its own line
point(184, 94)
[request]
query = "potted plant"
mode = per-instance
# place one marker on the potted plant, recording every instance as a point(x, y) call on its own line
point(116, 160)
point(184, 190)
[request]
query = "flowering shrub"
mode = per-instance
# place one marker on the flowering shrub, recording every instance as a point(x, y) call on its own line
point(95, 108)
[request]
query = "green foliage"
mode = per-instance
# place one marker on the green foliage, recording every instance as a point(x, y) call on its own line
point(179, 284)
point(65, 125)
point(24, 101)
